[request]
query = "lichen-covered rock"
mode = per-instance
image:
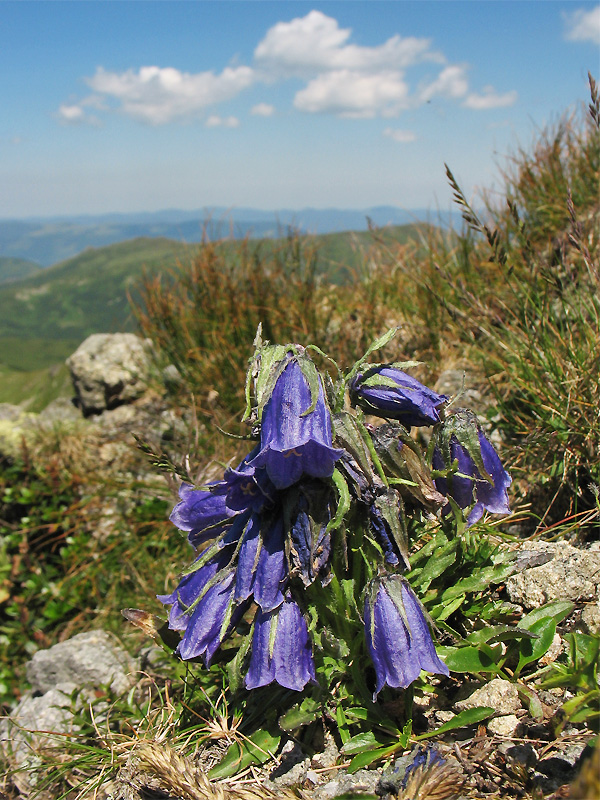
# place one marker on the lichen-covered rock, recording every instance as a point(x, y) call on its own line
point(572, 574)
point(498, 694)
point(88, 659)
point(109, 369)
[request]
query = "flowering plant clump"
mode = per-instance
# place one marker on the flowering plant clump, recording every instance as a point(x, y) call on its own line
point(301, 549)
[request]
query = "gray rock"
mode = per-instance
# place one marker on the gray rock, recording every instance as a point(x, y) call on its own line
point(88, 659)
point(292, 769)
point(9, 412)
point(36, 724)
point(50, 713)
point(572, 574)
point(109, 369)
point(362, 781)
point(499, 694)
point(590, 618)
point(505, 726)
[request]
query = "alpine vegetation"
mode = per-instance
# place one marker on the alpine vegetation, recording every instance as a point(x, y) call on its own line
point(301, 549)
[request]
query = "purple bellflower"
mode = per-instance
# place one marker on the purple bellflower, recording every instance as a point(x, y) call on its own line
point(397, 634)
point(261, 566)
point(202, 513)
point(482, 479)
point(386, 391)
point(202, 607)
point(281, 649)
point(295, 438)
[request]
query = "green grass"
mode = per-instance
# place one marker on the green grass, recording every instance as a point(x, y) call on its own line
point(34, 388)
point(14, 269)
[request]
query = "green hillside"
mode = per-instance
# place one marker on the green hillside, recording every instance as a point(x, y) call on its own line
point(15, 269)
point(44, 317)
point(84, 295)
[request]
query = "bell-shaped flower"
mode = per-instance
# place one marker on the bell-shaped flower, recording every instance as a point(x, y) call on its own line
point(295, 433)
point(386, 391)
point(203, 607)
point(281, 649)
point(202, 513)
point(247, 486)
point(480, 479)
point(261, 566)
point(397, 633)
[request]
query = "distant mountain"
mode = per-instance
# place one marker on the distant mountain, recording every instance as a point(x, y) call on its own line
point(50, 240)
point(15, 269)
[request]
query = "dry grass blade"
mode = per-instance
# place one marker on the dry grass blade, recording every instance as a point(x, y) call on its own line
point(179, 776)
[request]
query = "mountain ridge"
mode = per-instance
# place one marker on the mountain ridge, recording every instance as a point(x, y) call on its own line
point(49, 240)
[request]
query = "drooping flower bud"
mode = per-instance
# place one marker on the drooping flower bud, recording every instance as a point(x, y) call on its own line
point(386, 391)
point(481, 479)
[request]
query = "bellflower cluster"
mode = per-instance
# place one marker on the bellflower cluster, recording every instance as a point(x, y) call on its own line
point(322, 498)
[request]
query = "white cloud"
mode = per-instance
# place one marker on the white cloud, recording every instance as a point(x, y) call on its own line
point(583, 26)
point(354, 94)
point(76, 114)
point(340, 78)
point(159, 95)
point(263, 110)
point(451, 82)
point(214, 121)
point(489, 99)
point(316, 42)
point(73, 113)
point(399, 135)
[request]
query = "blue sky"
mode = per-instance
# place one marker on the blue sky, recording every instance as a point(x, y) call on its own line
point(133, 106)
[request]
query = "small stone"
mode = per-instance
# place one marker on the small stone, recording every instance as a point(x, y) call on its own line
point(590, 618)
point(328, 757)
point(444, 716)
point(553, 651)
point(572, 574)
point(363, 781)
point(505, 726)
point(498, 694)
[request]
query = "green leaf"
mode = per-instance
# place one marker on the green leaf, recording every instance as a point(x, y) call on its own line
point(368, 757)
point(469, 659)
point(299, 715)
point(445, 610)
point(532, 649)
point(438, 564)
point(360, 742)
point(558, 610)
point(257, 749)
point(481, 580)
point(377, 345)
point(532, 701)
point(468, 717)
point(343, 504)
point(499, 633)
